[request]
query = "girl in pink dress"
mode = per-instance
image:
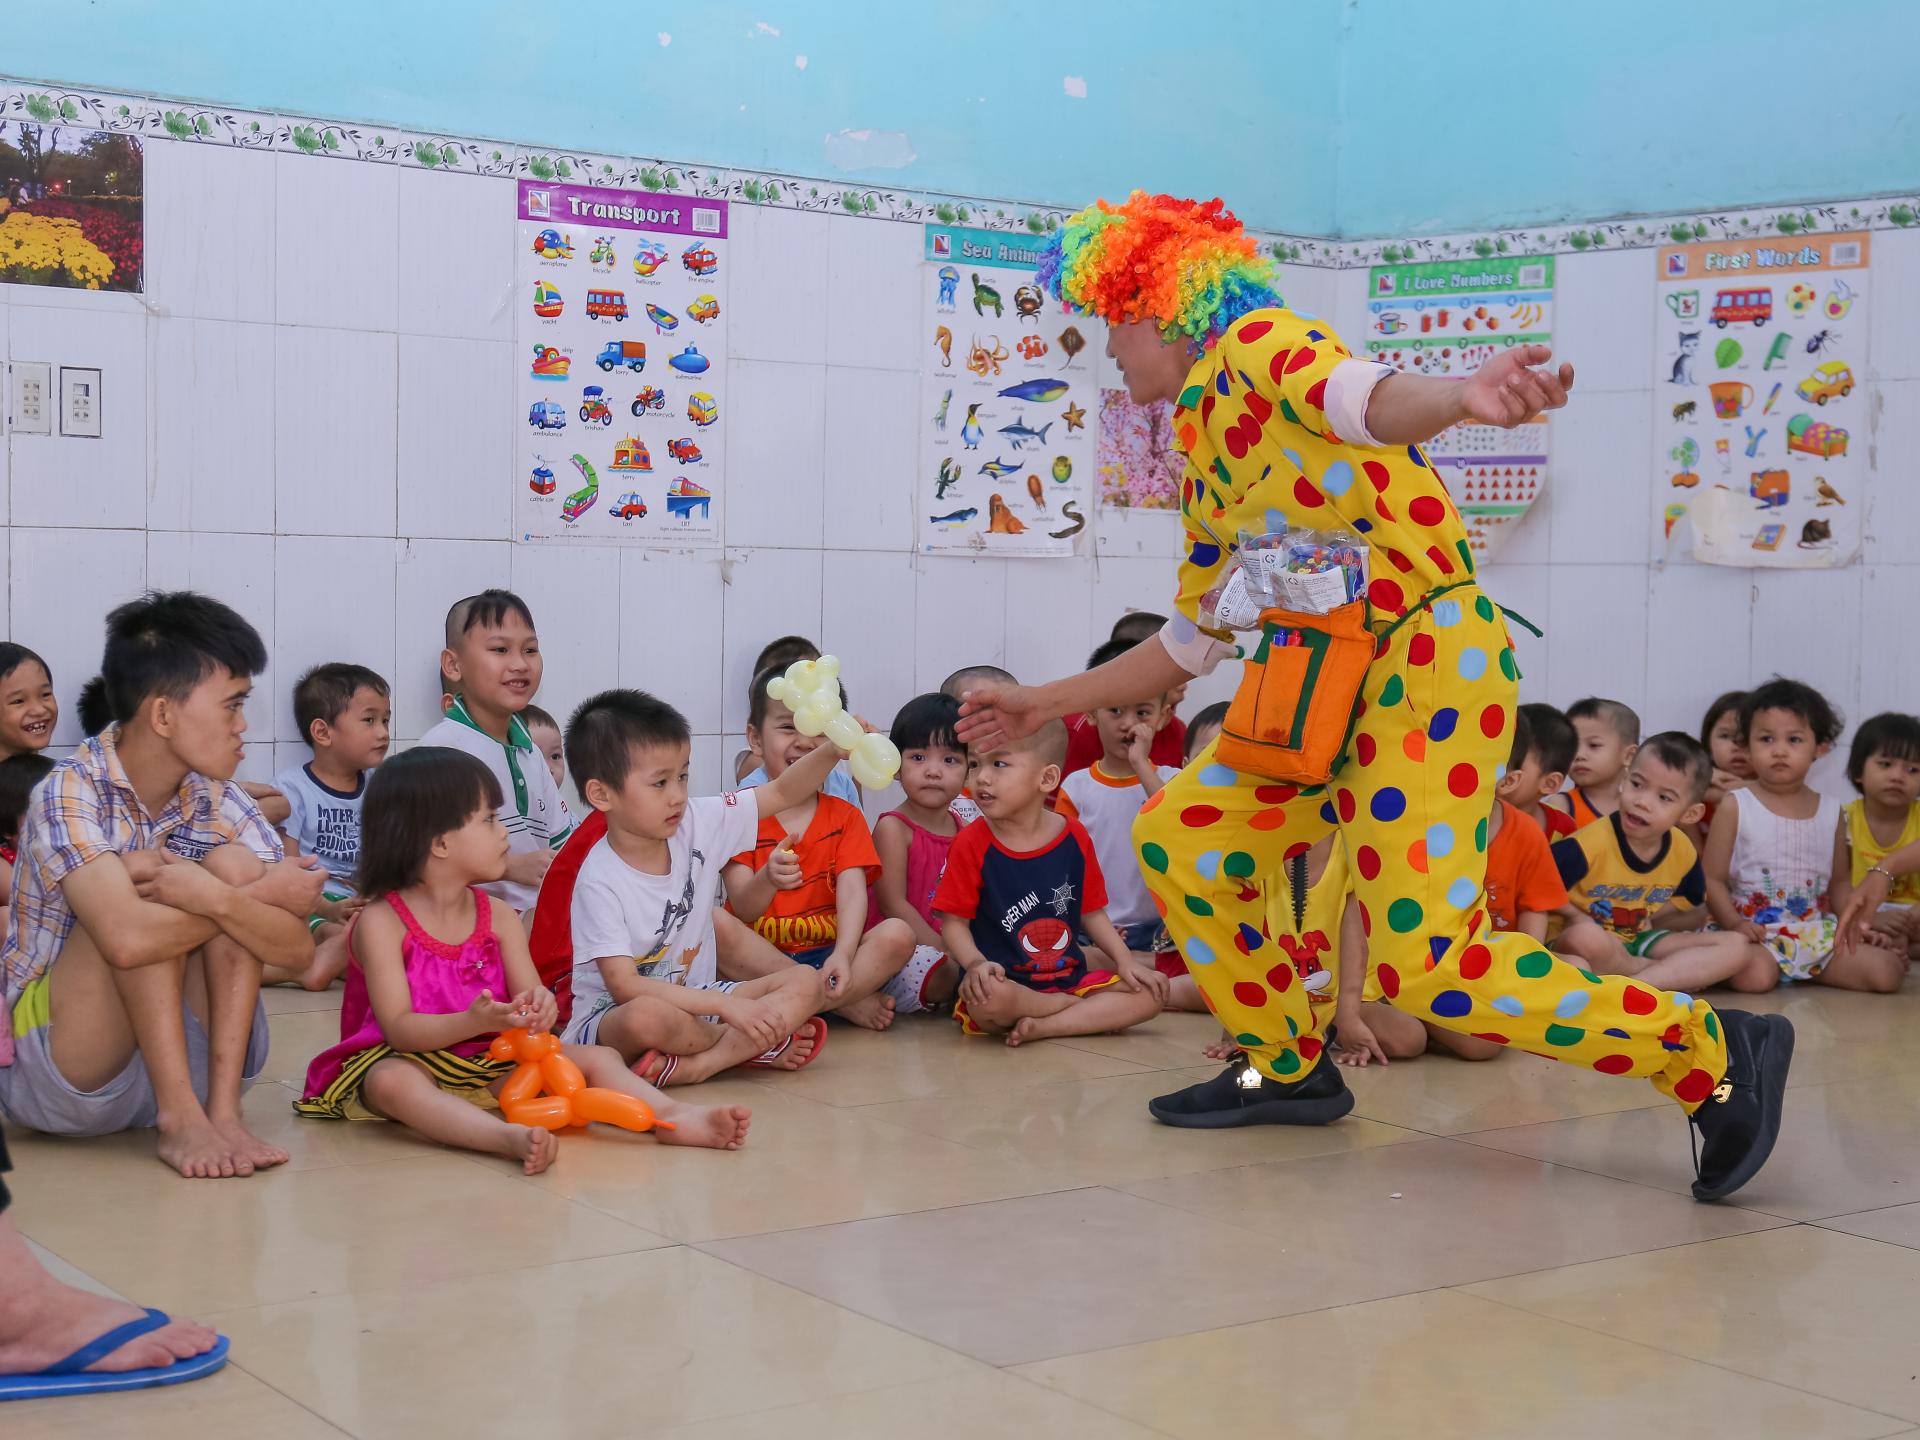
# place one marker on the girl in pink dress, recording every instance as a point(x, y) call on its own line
point(436, 970)
point(913, 842)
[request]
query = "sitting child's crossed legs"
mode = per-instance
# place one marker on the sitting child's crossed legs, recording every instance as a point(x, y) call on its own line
point(705, 1047)
point(1042, 1014)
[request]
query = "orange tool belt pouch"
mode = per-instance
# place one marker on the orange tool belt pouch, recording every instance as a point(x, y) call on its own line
point(1293, 714)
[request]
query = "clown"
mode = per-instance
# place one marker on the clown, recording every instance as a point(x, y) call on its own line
point(1281, 426)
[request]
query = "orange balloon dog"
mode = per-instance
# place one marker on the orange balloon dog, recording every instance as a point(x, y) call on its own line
point(540, 1066)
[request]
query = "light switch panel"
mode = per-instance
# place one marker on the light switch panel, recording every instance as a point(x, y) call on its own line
point(79, 402)
point(30, 397)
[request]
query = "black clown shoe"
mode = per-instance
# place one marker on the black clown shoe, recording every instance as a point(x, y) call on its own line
point(1241, 1095)
point(1740, 1120)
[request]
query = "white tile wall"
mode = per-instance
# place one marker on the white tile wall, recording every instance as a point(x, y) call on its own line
point(303, 382)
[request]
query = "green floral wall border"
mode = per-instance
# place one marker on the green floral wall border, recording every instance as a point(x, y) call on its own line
point(255, 130)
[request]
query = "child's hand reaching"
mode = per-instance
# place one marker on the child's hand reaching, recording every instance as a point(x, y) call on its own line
point(836, 972)
point(1222, 1049)
point(783, 865)
point(1137, 977)
point(755, 1019)
point(977, 988)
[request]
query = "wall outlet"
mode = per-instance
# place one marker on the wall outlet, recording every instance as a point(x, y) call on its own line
point(30, 397)
point(79, 402)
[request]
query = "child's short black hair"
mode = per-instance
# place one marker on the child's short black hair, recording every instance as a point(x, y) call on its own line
point(1678, 750)
point(484, 610)
point(533, 715)
point(1522, 741)
point(758, 700)
point(18, 775)
point(1728, 703)
point(1891, 734)
point(956, 684)
point(325, 691)
point(1109, 650)
point(95, 712)
point(1796, 698)
point(1620, 717)
point(1554, 740)
point(1137, 625)
point(13, 656)
point(412, 800)
point(927, 722)
point(779, 654)
point(607, 728)
point(1214, 714)
point(167, 643)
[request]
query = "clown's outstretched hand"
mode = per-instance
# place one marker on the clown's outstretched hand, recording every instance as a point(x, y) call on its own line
point(1515, 386)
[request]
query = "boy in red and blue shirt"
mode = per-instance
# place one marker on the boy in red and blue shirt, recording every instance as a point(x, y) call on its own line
point(1022, 885)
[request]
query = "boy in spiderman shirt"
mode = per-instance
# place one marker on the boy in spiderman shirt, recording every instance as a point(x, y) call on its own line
point(1022, 884)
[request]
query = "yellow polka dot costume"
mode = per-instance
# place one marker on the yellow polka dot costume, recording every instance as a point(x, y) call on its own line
point(1436, 708)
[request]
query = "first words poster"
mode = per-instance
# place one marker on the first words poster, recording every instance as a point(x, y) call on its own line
point(620, 304)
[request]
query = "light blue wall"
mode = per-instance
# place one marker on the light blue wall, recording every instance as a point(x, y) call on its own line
point(1464, 116)
point(1352, 117)
point(975, 86)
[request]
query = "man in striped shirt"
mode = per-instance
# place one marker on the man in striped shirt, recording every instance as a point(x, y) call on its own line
point(148, 895)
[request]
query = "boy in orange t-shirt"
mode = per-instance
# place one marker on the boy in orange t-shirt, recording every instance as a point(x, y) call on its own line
point(804, 884)
point(1523, 883)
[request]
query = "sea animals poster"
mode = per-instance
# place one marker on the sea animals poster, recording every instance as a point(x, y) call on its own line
point(621, 400)
point(1008, 403)
point(1450, 317)
point(1140, 468)
point(1760, 419)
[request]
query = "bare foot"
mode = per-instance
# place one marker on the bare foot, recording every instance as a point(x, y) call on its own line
point(200, 1150)
point(537, 1148)
point(249, 1146)
point(716, 1127)
point(800, 1053)
point(874, 1013)
point(1024, 1029)
point(46, 1321)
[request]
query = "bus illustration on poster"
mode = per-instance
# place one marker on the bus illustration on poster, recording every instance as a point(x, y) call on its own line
point(1760, 420)
point(1009, 407)
point(620, 369)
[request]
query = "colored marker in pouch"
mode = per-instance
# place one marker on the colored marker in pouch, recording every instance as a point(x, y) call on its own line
point(1767, 408)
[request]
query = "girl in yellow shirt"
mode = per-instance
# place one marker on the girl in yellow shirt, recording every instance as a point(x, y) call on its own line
point(1884, 767)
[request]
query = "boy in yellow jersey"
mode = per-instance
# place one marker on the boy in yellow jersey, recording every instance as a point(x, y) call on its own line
point(1636, 891)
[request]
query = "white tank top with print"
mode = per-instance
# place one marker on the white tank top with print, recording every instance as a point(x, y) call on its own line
point(1781, 864)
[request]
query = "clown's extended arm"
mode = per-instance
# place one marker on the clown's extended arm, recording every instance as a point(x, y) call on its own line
point(1403, 409)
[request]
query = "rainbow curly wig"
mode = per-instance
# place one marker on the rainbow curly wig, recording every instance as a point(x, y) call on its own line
point(1187, 264)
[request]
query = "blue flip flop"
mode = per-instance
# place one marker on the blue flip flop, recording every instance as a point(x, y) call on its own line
point(71, 1376)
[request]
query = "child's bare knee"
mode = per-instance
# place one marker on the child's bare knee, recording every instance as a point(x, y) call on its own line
point(895, 937)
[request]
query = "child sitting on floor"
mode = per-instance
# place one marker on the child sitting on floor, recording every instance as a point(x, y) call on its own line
point(1170, 738)
point(956, 685)
point(645, 977)
point(439, 968)
point(1635, 884)
point(913, 839)
point(1106, 798)
point(544, 731)
point(1607, 732)
point(345, 713)
point(28, 709)
point(1539, 779)
point(1523, 886)
point(1022, 884)
point(1726, 746)
point(1885, 768)
point(96, 714)
point(1771, 849)
point(803, 884)
point(493, 656)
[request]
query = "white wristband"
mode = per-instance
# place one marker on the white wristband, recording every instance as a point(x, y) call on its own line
point(1192, 649)
point(1349, 388)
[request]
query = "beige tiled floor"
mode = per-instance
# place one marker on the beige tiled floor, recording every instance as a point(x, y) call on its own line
point(934, 1237)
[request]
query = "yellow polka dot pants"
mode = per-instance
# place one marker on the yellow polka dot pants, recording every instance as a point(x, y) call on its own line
point(1411, 804)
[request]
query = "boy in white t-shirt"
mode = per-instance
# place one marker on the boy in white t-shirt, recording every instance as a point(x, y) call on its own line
point(493, 656)
point(1107, 796)
point(345, 714)
point(644, 977)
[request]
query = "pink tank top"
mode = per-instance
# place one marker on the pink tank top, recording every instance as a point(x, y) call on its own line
point(442, 979)
point(926, 863)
